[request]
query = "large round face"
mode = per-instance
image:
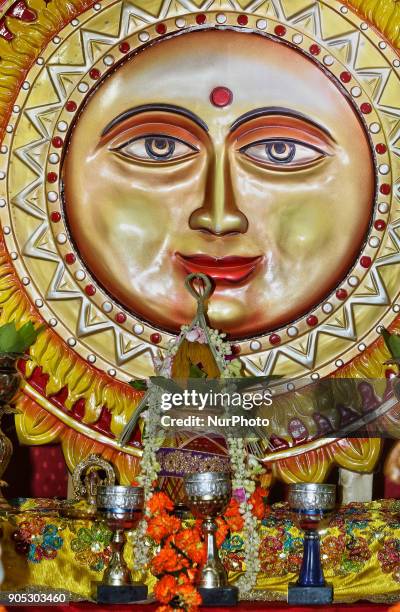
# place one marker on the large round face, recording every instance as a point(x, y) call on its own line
point(251, 167)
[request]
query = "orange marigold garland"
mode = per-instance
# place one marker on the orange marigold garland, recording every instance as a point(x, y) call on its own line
point(181, 552)
point(259, 501)
point(182, 549)
point(160, 503)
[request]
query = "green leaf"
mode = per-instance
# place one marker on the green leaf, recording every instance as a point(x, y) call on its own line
point(392, 341)
point(28, 334)
point(9, 341)
point(139, 385)
point(18, 341)
point(196, 372)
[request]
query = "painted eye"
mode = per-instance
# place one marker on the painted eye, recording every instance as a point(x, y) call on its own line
point(157, 148)
point(289, 153)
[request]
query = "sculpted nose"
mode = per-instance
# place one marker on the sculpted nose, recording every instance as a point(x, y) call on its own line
point(219, 214)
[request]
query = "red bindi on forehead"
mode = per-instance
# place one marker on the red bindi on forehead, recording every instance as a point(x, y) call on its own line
point(221, 96)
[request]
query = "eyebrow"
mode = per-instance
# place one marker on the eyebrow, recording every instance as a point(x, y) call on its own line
point(277, 110)
point(178, 110)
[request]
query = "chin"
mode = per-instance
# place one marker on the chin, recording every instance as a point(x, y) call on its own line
point(232, 316)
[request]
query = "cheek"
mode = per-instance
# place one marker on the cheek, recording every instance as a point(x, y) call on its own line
point(127, 212)
point(303, 227)
point(143, 206)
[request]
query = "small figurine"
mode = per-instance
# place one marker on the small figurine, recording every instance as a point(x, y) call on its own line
point(86, 478)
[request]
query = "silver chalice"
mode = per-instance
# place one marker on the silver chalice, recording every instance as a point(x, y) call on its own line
point(311, 505)
point(121, 508)
point(207, 496)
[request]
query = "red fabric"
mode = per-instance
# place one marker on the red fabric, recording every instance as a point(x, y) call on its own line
point(392, 490)
point(242, 607)
point(49, 470)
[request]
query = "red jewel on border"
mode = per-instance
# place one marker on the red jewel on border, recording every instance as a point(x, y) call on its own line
point(280, 30)
point(381, 148)
point(345, 77)
point(120, 317)
point(71, 106)
point(161, 28)
point(274, 339)
point(90, 290)
point(365, 261)
point(52, 177)
point(70, 258)
point(57, 142)
point(366, 108)
point(124, 47)
point(380, 225)
point(341, 294)
point(315, 49)
point(94, 74)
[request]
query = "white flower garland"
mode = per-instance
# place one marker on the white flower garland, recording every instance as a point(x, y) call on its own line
point(149, 468)
point(244, 467)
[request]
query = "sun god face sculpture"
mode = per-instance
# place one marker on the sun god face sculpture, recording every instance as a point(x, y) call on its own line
point(253, 168)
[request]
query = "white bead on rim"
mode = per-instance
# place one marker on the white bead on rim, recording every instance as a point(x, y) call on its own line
point(261, 24)
point(61, 239)
point(80, 275)
point(107, 307)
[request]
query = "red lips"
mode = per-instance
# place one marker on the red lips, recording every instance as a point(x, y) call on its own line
point(223, 269)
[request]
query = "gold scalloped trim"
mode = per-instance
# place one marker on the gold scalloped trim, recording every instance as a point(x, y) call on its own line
point(62, 417)
point(63, 366)
point(354, 454)
point(29, 39)
point(383, 14)
point(37, 425)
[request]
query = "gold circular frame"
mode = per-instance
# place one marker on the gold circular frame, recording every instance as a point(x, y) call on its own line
point(86, 350)
point(38, 240)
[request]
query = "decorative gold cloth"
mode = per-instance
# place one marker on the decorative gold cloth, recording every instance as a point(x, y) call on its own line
point(360, 552)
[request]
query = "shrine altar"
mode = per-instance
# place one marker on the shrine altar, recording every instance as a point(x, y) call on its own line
point(201, 191)
point(360, 553)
